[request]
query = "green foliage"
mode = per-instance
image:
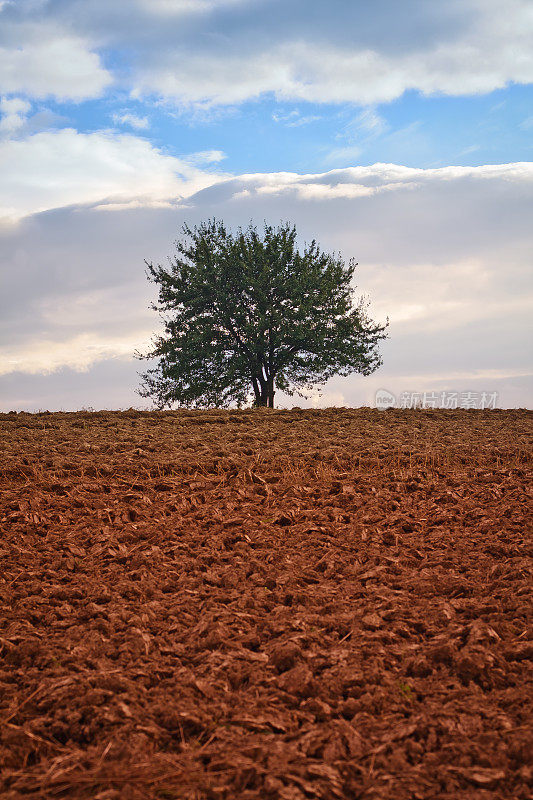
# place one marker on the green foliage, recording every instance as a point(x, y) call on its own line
point(248, 313)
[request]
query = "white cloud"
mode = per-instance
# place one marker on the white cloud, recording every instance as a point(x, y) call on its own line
point(78, 353)
point(365, 127)
point(206, 157)
point(294, 119)
point(328, 74)
point(41, 60)
point(479, 57)
point(317, 191)
point(172, 8)
point(134, 121)
point(433, 299)
point(353, 182)
point(13, 111)
point(369, 121)
point(54, 169)
point(343, 155)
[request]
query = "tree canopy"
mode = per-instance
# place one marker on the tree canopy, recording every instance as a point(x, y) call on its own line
point(248, 313)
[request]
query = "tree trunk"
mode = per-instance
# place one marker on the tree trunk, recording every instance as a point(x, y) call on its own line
point(257, 392)
point(264, 392)
point(270, 392)
point(260, 391)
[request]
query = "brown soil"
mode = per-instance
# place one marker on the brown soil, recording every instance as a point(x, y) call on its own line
point(300, 604)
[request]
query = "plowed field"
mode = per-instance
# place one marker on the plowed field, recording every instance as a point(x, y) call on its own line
point(266, 604)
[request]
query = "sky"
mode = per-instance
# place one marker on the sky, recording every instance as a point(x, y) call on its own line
point(398, 134)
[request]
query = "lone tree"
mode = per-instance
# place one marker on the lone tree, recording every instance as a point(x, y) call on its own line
point(248, 312)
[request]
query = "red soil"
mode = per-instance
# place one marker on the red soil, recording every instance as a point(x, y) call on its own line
point(305, 604)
